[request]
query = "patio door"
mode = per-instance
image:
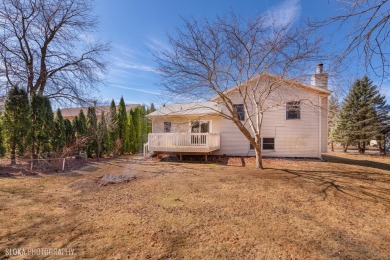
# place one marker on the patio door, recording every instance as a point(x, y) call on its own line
point(197, 129)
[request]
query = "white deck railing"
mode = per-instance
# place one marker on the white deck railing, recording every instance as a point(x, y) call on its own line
point(183, 142)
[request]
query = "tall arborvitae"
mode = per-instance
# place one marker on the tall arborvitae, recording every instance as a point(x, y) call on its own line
point(47, 129)
point(148, 122)
point(15, 121)
point(2, 147)
point(122, 124)
point(145, 124)
point(333, 109)
point(131, 141)
point(80, 125)
point(92, 131)
point(102, 137)
point(37, 111)
point(59, 140)
point(69, 132)
point(112, 128)
point(138, 128)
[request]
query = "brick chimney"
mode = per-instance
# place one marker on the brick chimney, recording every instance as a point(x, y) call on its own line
point(320, 79)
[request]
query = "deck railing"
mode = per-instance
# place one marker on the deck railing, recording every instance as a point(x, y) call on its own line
point(183, 142)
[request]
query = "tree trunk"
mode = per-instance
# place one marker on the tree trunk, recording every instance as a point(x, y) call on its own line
point(345, 147)
point(331, 145)
point(381, 147)
point(98, 152)
point(13, 153)
point(362, 148)
point(259, 158)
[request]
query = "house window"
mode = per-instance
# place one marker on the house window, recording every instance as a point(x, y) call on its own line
point(200, 127)
point(268, 143)
point(293, 110)
point(240, 111)
point(167, 127)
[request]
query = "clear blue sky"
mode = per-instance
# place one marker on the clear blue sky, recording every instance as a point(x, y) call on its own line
point(135, 27)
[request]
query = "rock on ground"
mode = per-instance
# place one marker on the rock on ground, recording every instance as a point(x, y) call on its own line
point(113, 179)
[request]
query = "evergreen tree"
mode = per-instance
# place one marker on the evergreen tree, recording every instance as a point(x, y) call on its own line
point(80, 125)
point(138, 126)
point(92, 131)
point(122, 124)
point(102, 137)
point(359, 119)
point(59, 140)
point(132, 134)
point(149, 122)
point(382, 119)
point(69, 132)
point(42, 123)
point(2, 147)
point(112, 127)
point(333, 109)
point(152, 108)
point(15, 121)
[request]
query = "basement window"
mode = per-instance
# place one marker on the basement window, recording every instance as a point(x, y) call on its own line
point(268, 143)
point(293, 110)
point(167, 127)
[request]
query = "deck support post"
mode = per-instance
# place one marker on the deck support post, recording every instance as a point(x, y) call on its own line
point(181, 157)
point(205, 157)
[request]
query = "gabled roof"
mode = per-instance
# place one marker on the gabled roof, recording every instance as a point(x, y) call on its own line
point(286, 80)
point(187, 109)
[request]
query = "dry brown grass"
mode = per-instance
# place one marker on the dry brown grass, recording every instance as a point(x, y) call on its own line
point(294, 209)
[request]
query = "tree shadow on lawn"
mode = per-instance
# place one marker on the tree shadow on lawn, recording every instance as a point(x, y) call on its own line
point(371, 186)
point(364, 163)
point(14, 171)
point(47, 232)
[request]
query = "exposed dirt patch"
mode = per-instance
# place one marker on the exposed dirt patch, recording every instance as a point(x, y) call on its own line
point(299, 209)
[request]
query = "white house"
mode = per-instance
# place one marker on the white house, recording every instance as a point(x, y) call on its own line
point(294, 125)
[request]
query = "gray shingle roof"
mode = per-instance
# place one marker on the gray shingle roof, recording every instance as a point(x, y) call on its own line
point(183, 109)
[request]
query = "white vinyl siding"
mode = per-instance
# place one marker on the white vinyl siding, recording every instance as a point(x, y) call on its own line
point(293, 138)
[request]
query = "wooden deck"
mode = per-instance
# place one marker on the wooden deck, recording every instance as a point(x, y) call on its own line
point(182, 143)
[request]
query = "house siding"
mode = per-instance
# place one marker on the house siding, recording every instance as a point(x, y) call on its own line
point(293, 138)
point(304, 137)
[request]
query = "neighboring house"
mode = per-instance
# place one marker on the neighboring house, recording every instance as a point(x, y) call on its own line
point(296, 128)
point(374, 143)
point(71, 113)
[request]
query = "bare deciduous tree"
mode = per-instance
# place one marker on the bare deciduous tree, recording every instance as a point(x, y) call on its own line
point(367, 22)
point(47, 47)
point(206, 59)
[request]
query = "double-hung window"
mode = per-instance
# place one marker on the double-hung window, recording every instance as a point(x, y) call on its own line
point(268, 143)
point(293, 110)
